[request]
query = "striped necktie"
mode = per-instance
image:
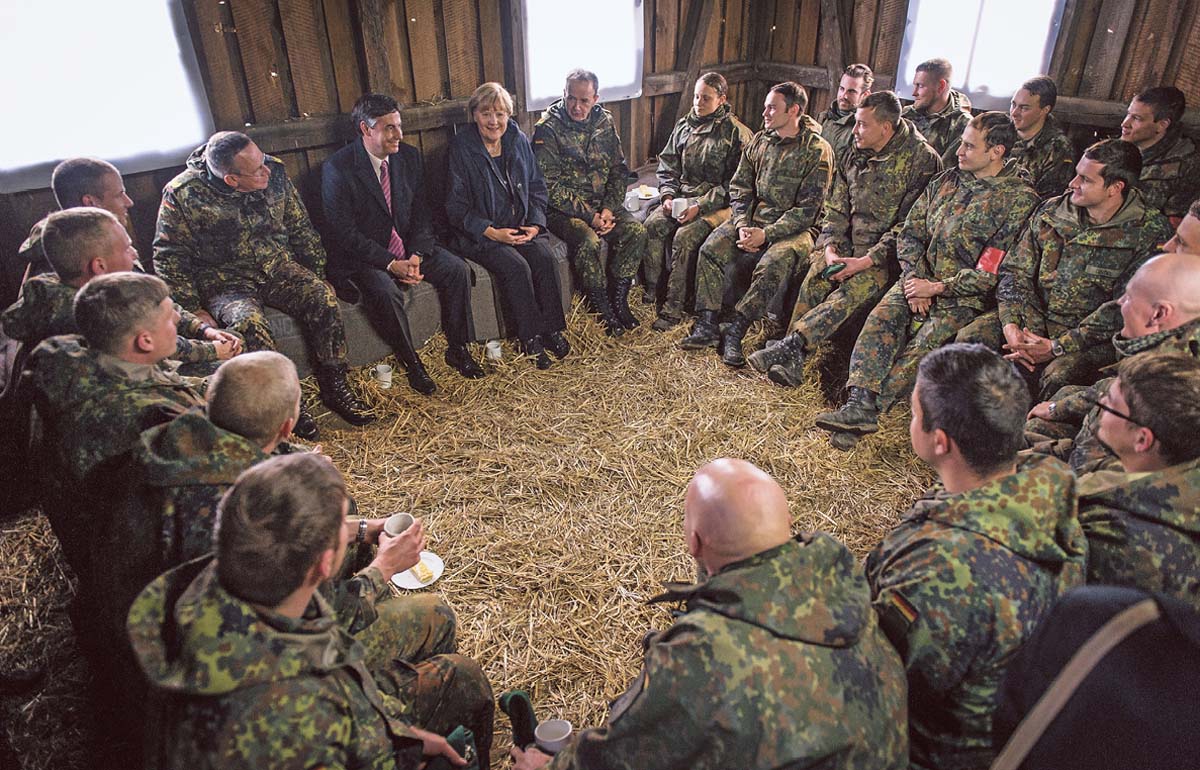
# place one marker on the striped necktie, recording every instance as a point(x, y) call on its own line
point(395, 245)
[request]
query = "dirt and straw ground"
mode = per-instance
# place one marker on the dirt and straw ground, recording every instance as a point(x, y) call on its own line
point(554, 497)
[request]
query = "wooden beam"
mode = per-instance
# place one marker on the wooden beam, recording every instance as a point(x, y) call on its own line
point(834, 41)
point(674, 82)
point(1104, 57)
point(516, 11)
point(336, 129)
point(1101, 112)
point(375, 50)
point(807, 75)
point(700, 15)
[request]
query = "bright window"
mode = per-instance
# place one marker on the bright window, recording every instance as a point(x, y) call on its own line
point(561, 35)
point(113, 80)
point(994, 45)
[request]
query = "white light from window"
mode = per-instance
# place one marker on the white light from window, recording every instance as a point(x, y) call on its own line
point(994, 45)
point(105, 79)
point(561, 35)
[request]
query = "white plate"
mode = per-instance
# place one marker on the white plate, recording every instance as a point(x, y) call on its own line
point(407, 579)
point(646, 197)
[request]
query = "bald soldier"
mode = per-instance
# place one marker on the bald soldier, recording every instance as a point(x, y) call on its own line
point(719, 688)
point(1161, 313)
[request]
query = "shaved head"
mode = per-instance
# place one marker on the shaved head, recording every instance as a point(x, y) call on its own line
point(732, 511)
point(1163, 294)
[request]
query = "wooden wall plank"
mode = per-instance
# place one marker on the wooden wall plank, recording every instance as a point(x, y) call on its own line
point(864, 25)
point(463, 57)
point(712, 36)
point(665, 23)
point(343, 52)
point(220, 62)
point(700, 16)
point(263, 60)
point(308, 56)
point(491, 43)
point(734, 43)
point(783, 33)
point(1184, 69)
point(1144, 64)
point(1104, 55)
point(892, 17)
point(807, 27)
point(429, 71)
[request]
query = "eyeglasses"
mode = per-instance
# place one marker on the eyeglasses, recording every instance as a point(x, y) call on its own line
point(1099, 404)
point(352, 511)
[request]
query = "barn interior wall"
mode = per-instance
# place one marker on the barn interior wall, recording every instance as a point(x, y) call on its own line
point(291, 69)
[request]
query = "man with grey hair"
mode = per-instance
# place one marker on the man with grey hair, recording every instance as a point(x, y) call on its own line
point(578, 150)
point(232, 237)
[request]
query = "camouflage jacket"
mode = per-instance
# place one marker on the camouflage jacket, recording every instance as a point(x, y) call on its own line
point(837, 128)
point(719, 689)
point(959, 230)
point(943, 130)
point(1063, 272)
point(959, 585)
point(700, 158)
point(1143, 529)
point(872, 194)
point(46, 308)
point(1049, 157)
point(1170, 178)
point(249, 689)
point(94, 406)
point(211, 239)
point(780, 184)
point(582, 162)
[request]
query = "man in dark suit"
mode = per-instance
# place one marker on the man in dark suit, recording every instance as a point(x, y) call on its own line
point(381, 238)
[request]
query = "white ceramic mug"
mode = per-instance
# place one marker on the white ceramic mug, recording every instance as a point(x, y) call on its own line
point(632, 203)
point(552, 735)
point(397, 523)
point(679, 206)
point(493, 350)
point(383, 375)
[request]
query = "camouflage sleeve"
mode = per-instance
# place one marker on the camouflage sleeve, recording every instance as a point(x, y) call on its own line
point(977, 280)
point(884, 249)
point(835, 219)
point(1098, 327)
point(618, 173)
point(1056, 169)
point(303, 241)
point(174, 249)
point(189, 324)
point(194, 351)
point(912, 239)
point(267, 738)
point(1073, 402)
point(665, 711)
point(810, 195)
point(742, 192)
point(670, 169)
point(1015, 291)
point(559, 193)
point(354, 599)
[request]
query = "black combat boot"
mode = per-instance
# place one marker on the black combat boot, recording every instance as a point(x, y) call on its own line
point(620, 302)
point(459, 358)
point(731, 341)
point(557, 345)
point(534, 348)
point(705, 333)
point(336, 394)
point(598, 300)
point(306, 427)
point(859, 415)
point(776, 353)
point(419, 379)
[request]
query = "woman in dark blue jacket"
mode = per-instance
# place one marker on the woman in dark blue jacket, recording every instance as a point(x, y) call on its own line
point(497, 207)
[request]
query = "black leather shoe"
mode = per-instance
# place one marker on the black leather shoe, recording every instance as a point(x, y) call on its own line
point(336, 394)
point(420, 380)
point(306, 427)
point(557, 345)
point(460, 358)
point(535, 349)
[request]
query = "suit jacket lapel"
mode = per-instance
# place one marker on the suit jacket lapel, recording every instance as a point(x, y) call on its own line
point(366, 173)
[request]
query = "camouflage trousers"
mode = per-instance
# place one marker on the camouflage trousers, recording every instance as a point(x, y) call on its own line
point(718, 261)
point(1081, 367)
point(1075, 443)
point(893, 341)
point(686, 241)
point(440, 693)
point(626, 247)
point(824, 306)
point(295, 290)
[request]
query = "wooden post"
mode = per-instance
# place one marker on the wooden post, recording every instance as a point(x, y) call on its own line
point(516, 10)
point(835, 42)
point(1108, 42)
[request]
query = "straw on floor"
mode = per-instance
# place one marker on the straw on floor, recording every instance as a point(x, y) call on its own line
point(555, 499)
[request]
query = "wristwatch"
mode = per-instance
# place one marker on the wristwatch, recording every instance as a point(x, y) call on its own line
point(362, 532)
point(1050, 408)
point(1056, 349)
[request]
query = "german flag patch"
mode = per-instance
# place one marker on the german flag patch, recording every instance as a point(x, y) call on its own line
point(896, 616)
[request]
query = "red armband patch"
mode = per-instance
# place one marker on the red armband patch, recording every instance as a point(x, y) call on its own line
point(990, 259)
